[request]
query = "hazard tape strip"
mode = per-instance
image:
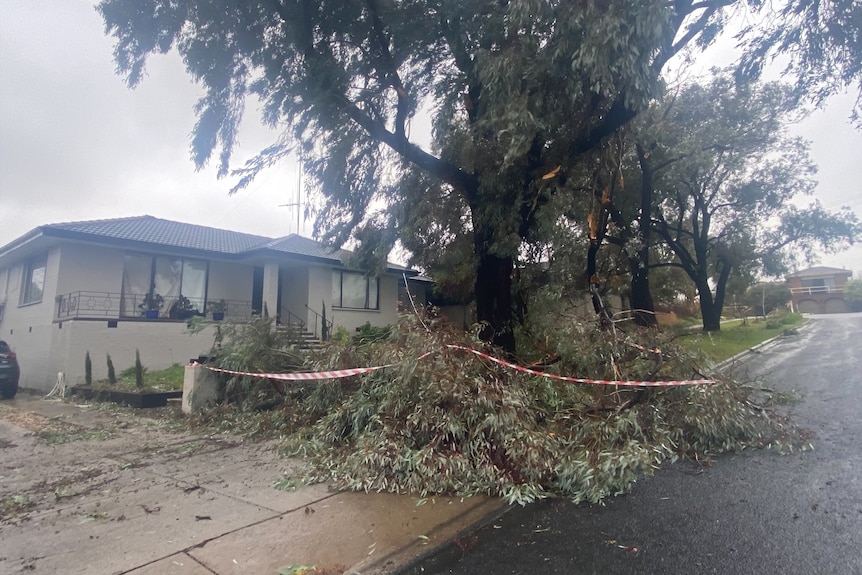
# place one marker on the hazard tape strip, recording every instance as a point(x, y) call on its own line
point(307, 376)
point(339, 373)
point(583, 380)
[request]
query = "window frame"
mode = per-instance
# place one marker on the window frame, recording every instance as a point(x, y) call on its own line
point(369, 306)
point(30, 266)
point(183, 260)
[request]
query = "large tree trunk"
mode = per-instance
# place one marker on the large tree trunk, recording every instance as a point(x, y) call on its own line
point(641, 297)
point(709, 311)
point(642, 303)
point(494, 300)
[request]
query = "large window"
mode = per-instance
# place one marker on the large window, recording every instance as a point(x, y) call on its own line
point(182, 284)
point(355, 291)
point(34, 280)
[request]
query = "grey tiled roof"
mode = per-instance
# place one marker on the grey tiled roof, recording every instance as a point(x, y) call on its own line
point(298, 245)
point(150, 230)
point(820, 271)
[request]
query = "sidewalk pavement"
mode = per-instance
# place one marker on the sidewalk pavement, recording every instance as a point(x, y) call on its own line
point(125, 496)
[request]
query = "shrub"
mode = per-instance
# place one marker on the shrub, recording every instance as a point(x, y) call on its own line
point(88, 369)
point(112, 376)
point(139, 370)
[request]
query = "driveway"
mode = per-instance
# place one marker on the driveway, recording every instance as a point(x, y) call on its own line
point(89, 489)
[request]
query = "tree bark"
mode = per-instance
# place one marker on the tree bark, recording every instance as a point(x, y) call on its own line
point(710, 312)
point(494, 299)
point(642, 302)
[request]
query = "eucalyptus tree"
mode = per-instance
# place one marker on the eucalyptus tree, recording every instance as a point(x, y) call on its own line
point(725, 180)
point(819, 43)
point(515, 90)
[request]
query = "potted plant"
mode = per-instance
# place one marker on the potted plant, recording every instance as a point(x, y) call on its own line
point(151, 305)
point(217, 309)
point(184, 309)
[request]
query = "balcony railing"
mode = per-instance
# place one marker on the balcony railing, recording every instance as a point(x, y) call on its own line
point(817, 290)
point(109, 305)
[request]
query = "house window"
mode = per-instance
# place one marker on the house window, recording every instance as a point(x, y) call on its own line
point(34, 280)
point(355, 291)
point(819, 282)
point(182, 283)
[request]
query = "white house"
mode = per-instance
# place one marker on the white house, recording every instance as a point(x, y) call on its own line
point(69, 288)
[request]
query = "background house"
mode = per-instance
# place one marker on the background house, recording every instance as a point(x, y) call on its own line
point(69, 288)
point(819, 290)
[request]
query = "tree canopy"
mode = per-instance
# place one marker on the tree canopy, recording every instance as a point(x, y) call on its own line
point(515, 89)
point(523, 96)
point(725, 175)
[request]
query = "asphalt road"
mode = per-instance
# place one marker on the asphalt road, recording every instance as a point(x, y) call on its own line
point(753, 513)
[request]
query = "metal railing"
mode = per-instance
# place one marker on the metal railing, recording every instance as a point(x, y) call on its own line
point(110, 305)
point(321, 323)
point(817, 290)
point(290, 320)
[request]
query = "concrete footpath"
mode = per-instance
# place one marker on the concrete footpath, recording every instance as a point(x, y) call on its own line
point(88, 490)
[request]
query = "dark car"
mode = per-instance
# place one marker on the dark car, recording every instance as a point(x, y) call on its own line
point(9, 371)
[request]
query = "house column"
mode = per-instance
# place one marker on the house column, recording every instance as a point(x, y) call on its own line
point(270, 288)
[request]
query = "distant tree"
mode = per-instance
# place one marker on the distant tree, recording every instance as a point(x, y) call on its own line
point(724, 173)
point(764, 298)
point(853, 294)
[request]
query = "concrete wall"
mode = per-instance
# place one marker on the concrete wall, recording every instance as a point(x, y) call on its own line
point(27, 328)
point(161, 344)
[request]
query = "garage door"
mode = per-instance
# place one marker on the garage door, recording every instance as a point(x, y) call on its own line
point(808, 306)
point(836, 306)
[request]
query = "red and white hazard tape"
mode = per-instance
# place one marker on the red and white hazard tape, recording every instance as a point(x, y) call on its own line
point(581, 379)
point(335, 374)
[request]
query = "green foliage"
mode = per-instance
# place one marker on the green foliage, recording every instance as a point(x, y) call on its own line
point(765, 298)
point(817, 42)
point(139, 370)
point(112, 376)
point(449, 422)
point(88, 369)
point(370, 334)
point(853, 294)
point(515, 89)
point(254, 346)
point(725, 174)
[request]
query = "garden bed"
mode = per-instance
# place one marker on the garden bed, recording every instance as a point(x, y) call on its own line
point(138, 399)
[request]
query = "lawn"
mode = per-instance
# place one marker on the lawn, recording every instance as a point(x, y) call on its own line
point(736, 336)
point(168, 379)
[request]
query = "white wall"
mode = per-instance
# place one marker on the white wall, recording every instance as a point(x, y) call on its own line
point(229, 281)
point(27, 328)
point(161, 344)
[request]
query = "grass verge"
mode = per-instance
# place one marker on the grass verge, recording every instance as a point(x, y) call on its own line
point(738, 336)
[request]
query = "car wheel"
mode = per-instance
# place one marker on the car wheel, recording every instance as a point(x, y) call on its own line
point(8, 389)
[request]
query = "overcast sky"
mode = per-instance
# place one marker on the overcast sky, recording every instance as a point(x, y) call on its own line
point(77, 144)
